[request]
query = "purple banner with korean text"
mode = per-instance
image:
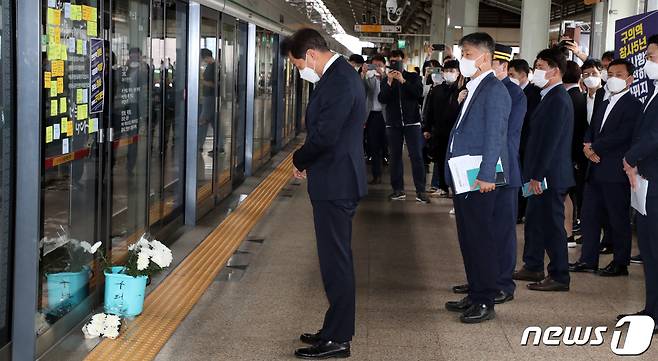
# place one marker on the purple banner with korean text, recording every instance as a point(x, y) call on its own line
point(631, 36)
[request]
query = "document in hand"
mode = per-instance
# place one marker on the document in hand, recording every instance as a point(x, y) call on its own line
point(527, 192)
point(464, 170)
point(639, 195)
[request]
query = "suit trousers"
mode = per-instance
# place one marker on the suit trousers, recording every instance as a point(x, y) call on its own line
point(376, 133)
point(647, 229)
point(474, 213)
point(414, 139)
point(606, 206)
point(504, 233)
point(333, 231)
point(544, 231)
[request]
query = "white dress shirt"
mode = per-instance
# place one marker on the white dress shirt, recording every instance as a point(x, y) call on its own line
point(590, 106)
point(613, 100)
point(545, 91)
point(328, 64)
point(471, 86)
point(524, 85)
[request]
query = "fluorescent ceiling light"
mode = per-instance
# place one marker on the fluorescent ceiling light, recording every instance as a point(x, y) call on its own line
point(458, 27)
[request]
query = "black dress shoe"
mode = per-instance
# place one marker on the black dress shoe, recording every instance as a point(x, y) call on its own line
point(324, 350)
point(525, 275)
point(549, 285)
point(460, 289)
point(613, 270)
point(310, 338)
point(605, 250)
point(459, 306)
point(638, 313)
point(581, 267)
point(478, 313)
point(503, 297)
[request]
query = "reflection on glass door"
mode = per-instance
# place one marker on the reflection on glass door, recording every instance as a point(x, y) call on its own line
point(208, 96)
point(289, 100)
point(227, 99)
point(239, 116)
point(263, 113)
point(132, 70)
point(71, 157)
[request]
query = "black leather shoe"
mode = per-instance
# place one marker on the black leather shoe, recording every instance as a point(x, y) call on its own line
point(613, 270)
point(605, 250)
point(310, 338)
point(638, 313)
point(324, 350)
point(548, 285)
point(525, 275)
point(460, 289)
point(478, 313)
point(503, 297)
point(581, 267)
point(459, 306)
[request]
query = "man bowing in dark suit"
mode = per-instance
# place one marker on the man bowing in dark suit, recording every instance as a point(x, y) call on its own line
point(548, 156)
point(480, 130)
point(332, 159)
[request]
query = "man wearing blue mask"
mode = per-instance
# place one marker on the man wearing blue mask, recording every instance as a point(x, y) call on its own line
point(332, 159)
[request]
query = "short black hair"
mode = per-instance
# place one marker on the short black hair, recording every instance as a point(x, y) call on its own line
point(435, 63)
point(301, 41)
point(572, 73)
point(451, 64)
point(592, 63)
point(357, 58)
point(653, 39)
point(608, 55)
point(397, 53)
point(482, 40)
point(519, 65)
point(554, 58)
point(629, 66)
point(378, 57)
point(205, 53)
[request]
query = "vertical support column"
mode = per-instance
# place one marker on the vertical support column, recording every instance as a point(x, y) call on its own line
point(652, 5)
point(596, 44)
point(614, 10)
point(438, 22)
point(28, 178)
point(471, 16)
point(192, 126)
point(462, 14)
point(251, 78)
point(535, 20)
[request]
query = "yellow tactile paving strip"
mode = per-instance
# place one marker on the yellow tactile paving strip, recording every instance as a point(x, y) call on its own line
point(166, 307)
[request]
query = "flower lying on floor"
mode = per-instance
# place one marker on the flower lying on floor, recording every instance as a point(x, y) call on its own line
point(104, 325)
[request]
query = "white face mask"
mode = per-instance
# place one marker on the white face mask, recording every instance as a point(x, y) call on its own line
point(309, 73)
point(467, 67)
point(651, 70)
point(539, 79)
point(592, 82)
point(615, 85)
point(531, 75)
point(450, 77)
point(436, 78)
point(604, 75)
point(515, 81)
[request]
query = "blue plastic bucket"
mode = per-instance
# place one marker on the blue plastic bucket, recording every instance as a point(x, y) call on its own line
point(67, 290)
point(124, 295)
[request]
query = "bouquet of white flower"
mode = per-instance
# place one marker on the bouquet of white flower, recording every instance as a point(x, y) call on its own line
point(146, 258)
point(104, 325)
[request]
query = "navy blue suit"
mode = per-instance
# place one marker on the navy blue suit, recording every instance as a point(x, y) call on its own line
point(332, 156)
point(607, 190)
point(644, 155)
point(507, 198)
point(548, 155)
point(482, 131)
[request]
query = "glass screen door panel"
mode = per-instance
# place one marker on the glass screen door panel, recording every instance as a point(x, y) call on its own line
point(227, 100)
point(157, 61)
point(239, 114)
point(208, 99)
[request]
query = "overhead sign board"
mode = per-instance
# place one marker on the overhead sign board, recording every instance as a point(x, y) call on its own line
point(374, 39)
point(376, 28)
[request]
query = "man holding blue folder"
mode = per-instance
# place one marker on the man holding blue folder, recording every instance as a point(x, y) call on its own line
point(480, 130)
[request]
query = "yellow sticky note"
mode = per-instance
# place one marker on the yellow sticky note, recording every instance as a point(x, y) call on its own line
point(49, 134)
point(63, 52)
point(79, 96)
point(46, 79)
point(91, 126)
point(86, 13)
point(53, 51)
point(92, 28)
point(54, 34)
point(60, 85)
point(94, 14)
point(82, 111)
point(78, 47)
point(76, 12)
point(53, 108)
point(53, 88)
point(54, 16)
point(69, 127)
point(57, 67)
point(64, 125)
point(62, 105)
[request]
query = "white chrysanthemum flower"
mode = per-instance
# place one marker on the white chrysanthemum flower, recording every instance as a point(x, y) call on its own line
point(161, 255)
point(112, 321)
point(93, 330)
point(143, 259)
point(111, 332)
point(98, 318)
point(86, 246)
point(95, 247)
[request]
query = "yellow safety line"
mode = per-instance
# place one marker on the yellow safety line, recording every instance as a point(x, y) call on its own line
point(166, 307)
